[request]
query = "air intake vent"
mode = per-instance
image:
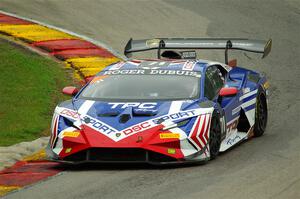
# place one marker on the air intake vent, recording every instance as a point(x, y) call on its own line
point(143, 113)
point(124, 118)
point(108, 114)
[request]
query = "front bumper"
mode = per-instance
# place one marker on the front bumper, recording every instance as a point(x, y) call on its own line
point(121, 155)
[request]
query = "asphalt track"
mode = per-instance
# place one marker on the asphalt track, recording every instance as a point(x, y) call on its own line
point(266, 167)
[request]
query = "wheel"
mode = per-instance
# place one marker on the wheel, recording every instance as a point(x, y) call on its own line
point(261, 114)
point(215, 136)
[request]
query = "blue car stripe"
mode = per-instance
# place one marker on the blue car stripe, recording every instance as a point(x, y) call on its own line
point(250, 107)
point(249, 98)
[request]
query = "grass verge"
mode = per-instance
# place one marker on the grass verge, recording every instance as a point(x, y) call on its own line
point(30, 88)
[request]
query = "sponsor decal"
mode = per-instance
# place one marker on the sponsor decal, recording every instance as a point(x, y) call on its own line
point(233, 140)
point(70, 113)
point(118, 134)
point(175, 116)
point(73, 134)
point(151, 43)
point(133, 104)
point(151, 123)
point(152, 72)
point(189, 65)
point(98, 125)
point(171, 151)
point(68, 150)
point(137, 128)
point(169, 135)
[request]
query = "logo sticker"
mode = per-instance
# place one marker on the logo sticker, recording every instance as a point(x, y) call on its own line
point(73, 134)
point(133, 104)
point(68, 150)
point(70, 113)
point(118, 134)
point(151, 43)
point(189, 65)
point(169, 135)
point(171, 151)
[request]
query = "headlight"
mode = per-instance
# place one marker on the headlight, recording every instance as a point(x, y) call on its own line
point(68, 122)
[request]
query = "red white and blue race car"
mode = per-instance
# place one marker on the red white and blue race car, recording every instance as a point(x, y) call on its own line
point(173, 110)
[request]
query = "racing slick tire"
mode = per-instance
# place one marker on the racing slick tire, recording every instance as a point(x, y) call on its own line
point(261, 114)
point(215, 136)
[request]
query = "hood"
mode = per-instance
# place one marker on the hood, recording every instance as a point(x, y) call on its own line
point(121, 115)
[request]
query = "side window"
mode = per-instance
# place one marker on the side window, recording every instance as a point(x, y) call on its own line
point(213, 82)
point(208, 86)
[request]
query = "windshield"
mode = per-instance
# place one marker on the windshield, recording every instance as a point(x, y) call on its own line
point(142, 87)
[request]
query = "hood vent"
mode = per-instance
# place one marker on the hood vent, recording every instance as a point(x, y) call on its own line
point(144, 113)
point(147, 114)
point(108, 114)
point(124, 118)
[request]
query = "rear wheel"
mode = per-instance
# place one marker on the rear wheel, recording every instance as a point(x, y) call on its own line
point(261, 114)
point(215, 136)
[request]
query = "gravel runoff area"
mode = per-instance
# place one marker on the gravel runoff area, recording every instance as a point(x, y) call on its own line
point(10, 155)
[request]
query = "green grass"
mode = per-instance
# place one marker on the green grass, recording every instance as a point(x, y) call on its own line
point(30, 88)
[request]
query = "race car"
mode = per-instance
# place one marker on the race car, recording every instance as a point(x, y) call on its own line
point(173, 109)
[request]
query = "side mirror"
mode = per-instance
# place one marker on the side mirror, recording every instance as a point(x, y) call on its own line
point(70, 90)
point(228, 91)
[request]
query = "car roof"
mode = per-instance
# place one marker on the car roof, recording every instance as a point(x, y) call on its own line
point(189, 65)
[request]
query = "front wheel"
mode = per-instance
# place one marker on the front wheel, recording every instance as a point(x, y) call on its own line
point(214, 136)
point(261, 114)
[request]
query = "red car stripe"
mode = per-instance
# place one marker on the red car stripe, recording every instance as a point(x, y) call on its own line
point(54, 135)
point(194, 134)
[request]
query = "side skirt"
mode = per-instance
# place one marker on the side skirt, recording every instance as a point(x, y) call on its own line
point(235, 138)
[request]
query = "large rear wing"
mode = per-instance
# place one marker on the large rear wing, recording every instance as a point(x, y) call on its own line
point(256, 46)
